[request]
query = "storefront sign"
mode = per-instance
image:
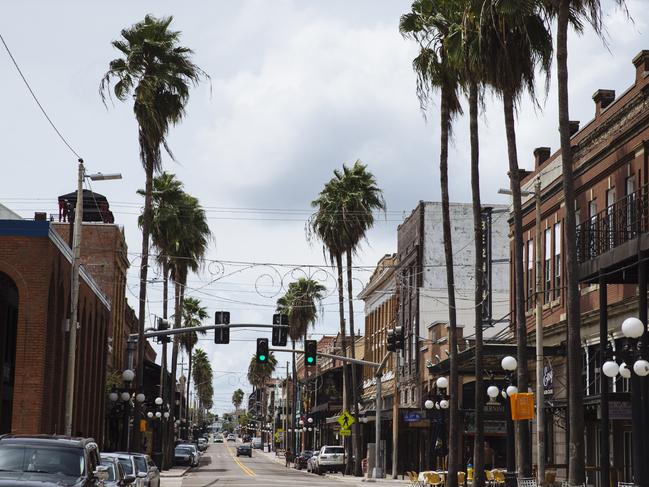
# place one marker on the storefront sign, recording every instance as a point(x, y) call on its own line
point(412, 416)
point(548, 381)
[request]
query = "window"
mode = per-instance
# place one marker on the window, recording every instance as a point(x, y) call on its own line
point(530, 267)
point(610, 217)
point(547, 262)
point(631, 211)
point(557, 260)
point(592, 210)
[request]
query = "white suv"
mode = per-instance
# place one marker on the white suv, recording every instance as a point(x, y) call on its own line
point(330, 459)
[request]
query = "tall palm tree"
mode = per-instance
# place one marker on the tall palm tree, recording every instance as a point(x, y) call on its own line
point(187, 256)
point(203, 379)
point(258, 376)
point(358, 197)
point(575, 13)
point(301, 304)
point(165, 207)
point(428, 23)
point(516, 43)
point(193, 316)
point(237, 399)
point(156, 72)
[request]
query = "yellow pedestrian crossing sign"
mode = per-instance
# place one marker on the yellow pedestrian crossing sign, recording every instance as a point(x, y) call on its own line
point(345, 420)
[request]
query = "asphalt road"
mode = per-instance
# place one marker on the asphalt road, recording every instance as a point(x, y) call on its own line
point(220, 466)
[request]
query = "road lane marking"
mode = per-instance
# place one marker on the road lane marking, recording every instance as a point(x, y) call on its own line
point(246, 470)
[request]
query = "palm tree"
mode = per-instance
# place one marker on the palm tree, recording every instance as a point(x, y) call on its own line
point(516, 42)
point(187, 255)
point(193, 316)
point(203, 379)
point(358, 198)
point(428, 24)
point(156, 72)
point(300, 303)
point(237, 399)
point(259, 374)
point(575, 13)
point(165, 207)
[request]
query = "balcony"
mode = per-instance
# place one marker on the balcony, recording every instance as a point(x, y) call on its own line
point(609, 242)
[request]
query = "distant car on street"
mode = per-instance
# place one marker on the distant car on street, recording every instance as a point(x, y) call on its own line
point(218, 439)
point(256, 442)
point(116, 475)
point(331, 459)
point(231, 437)
point(194, 449)
point(311, 462)
point(244, 449)
point(202, 444)
point(302, 459)
point(184, 456)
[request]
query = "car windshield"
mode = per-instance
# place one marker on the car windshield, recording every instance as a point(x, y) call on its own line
point(112, 475)
point(127, 464)
point(140, 463)
point(183, 451)
point(339, 450)
point(26, 458)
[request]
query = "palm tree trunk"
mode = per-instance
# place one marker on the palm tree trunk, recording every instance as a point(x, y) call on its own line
point(454, 425)
point(294, 410)
point(174, 351)
point(144, 267)
point(343, 337)
point(478, 445)
point(523, 443)
point(189, 369)
point(576, 460)
point(164, 393)
point(358, 471)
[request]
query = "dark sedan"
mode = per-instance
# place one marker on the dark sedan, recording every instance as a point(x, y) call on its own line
point(245, 450)
point(184, 456)
point(302, 459)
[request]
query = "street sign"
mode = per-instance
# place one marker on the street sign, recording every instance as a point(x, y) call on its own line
point(345, 432)
point(345, 420)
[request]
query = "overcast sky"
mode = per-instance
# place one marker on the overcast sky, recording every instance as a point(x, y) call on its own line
point(297, 89)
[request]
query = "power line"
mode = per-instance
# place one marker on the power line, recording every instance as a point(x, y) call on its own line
point(36, 99)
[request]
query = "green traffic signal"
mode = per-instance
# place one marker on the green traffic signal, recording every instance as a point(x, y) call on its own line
point(310, 352)
point(262, 358)
point(262, 350)
point(310, 360)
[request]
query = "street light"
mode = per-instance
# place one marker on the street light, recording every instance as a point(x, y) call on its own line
point(140, 397)
point(74, 292)
point(509, 364)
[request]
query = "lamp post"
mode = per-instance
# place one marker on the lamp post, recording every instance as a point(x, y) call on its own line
point(74, 292)
point(509, 365)
point(634, 366)
point(436, 405)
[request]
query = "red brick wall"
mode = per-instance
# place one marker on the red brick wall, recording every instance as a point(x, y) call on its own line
point(42, 276)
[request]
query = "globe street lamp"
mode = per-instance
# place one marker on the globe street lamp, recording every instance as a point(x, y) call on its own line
point(509, 364)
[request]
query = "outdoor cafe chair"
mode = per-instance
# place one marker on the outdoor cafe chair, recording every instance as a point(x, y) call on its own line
point(461, 478)
point(433, 478)
point(489, 478)
point(499, 477)
point(414, 479)
point(527, 482)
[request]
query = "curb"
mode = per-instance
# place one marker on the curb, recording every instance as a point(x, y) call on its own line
point(174, 472)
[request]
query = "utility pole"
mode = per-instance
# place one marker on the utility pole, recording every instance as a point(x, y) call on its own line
point(540, 413)
point(74, 303)
point(395, 417)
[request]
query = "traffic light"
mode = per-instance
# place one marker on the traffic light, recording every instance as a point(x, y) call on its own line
point(310, 353)
point(222, 333)
point(280, 330)
point(163, 325)
point(262, 350)
point(395, 339)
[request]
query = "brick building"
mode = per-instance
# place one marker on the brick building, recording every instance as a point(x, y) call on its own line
point(35, 268)
point(611, 172)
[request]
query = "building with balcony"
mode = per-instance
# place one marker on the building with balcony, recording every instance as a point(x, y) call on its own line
point(611, 175)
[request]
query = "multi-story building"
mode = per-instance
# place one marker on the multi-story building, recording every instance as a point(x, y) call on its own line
point(611, 176)
point(35, 280)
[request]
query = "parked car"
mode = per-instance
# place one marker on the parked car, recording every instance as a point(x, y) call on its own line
point(202, 444)
point(311, 462)
point(256, 442)
point(47, 460)
point(147, 470)
point(245, 449)
point(194, 450)
point(116, 475)
point(231, 437)
point(127, 460)
point(331, 459)
point(184, 455)
point(246, 438)
point(302, 459)
point(218, 439)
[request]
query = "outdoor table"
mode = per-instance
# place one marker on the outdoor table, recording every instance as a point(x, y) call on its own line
point(442, 473)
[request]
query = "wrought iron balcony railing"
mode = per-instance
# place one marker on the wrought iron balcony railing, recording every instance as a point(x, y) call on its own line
point(624, 220)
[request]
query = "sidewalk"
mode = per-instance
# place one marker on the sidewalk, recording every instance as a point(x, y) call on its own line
point(339, 477)
point(174, 472)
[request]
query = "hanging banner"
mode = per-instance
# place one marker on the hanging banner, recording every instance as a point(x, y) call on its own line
point(522, 405)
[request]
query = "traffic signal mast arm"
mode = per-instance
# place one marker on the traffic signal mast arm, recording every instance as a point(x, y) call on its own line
point(179, 331)
point(337, 357)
